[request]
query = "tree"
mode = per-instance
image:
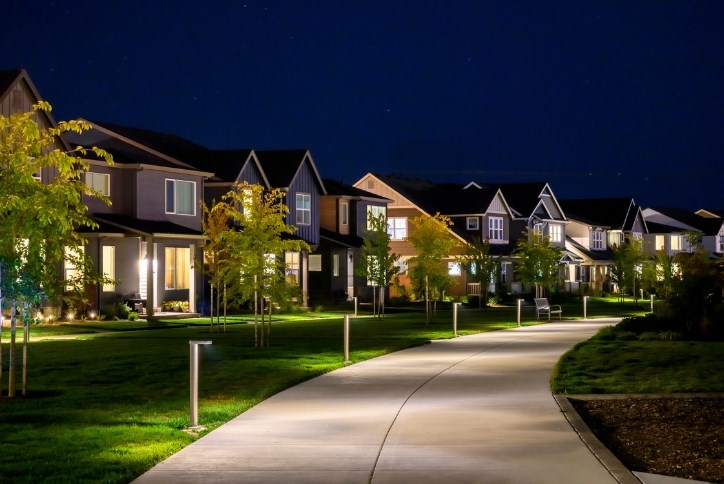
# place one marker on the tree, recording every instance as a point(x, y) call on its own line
point(257, 248)
point(430, 236)
point(39, 220)
point(538, 262)
point(483, 266)
point(627, 262)
point(217, 228)
point(377, 262)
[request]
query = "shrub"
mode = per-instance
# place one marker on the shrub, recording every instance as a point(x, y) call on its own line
point(109, 312)
point(132, 316)
point(123, 310)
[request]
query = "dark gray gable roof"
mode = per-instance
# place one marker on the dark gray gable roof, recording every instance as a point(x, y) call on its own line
point(446, 198)
point(521, 197)
point(615, 213)
point(225, 164)
point(338, 188)
point(349, 240)
point(709, 226)
point(281, 166)
point(7, 79)
point(599, 255)
point(145, 227)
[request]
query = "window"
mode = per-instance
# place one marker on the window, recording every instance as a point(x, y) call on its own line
point(660, 244)
point(180, 197)
point(178, 265)
point(503, 273)
point(473, 223)
point(100, 182)
point(453, 269)
point(247, 201)
point(676, 242)
point(304, 209)
point(597, 240)
point(291, 261)
point(495, 228)
point(538, 229)
point(555, 232)
point(72, 256)
point(721, 243)
point(401, 264)
point(397, 228)
point(109, 267)
point(345, 213)
point(315, 262)
point(374, 212)
point(335, 265)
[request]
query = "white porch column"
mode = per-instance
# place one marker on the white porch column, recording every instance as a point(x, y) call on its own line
point(151, 294)
point(192, 278)
point(304, 269)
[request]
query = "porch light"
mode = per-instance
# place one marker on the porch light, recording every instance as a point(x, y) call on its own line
point(194, 382)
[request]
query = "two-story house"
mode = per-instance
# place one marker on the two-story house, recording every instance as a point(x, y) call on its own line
point(595, 226)
point(343, 220)
point(676, 230)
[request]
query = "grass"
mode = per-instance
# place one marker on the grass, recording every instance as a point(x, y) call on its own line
point(109, 408)
point(631, 365)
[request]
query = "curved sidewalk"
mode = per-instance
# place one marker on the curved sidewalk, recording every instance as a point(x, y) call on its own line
point(472, 409)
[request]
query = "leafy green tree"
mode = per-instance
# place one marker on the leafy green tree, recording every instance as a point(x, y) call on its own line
point(538, 262)
point(481, 264)
point(217, 228)
point(430, 236)
point(377, 262)
point(628, 258)
point(39, 220)
point(256, 267)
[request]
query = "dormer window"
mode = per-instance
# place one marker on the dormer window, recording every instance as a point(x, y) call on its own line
point(597, 240)
point(473, 223)
point(495, 229)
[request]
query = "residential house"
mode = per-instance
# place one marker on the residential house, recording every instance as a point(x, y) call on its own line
point(343, 220)
point(595, 226)
point(678, 230)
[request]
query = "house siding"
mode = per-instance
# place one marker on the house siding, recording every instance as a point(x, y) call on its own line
point(151, 201)
point(305, 182)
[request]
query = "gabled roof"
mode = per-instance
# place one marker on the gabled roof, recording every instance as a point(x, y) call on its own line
point(282, 166)
point(336, 188)
point(145, 227)
point(613, 213)
point(597, 255)
point(226, 165)
point(683, 220)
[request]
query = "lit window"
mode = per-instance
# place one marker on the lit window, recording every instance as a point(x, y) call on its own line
point(397, 228)
point(100, 182)
point(660, 244)
point(345, 213)
point(473, 223)
point(72, 273)
point(453, 269)
point(676, 242)
point(304, 209)
point(178, 266)
point(374, 212)
point(555, 232)
point(335, 265)
point(495, 228)
point(180, 197)
point(291, 262)
point(597, 240)
point(538, 229)
point(109, 267)
point(247, 201)
point(401, 265)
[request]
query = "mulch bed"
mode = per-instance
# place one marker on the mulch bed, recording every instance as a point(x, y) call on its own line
point(680, 437)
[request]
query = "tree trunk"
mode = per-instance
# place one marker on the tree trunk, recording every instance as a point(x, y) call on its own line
point(11, 364)
point(268, 333)
point(382, 301)
point(26, 334)
point(427, 302)
point(256, 312)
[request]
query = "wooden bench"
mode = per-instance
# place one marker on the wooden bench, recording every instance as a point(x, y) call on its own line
point(542, 307)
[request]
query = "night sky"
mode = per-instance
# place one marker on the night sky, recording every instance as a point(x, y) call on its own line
point(599, 98)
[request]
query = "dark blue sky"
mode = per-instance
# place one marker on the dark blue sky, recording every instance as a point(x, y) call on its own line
point(600, 98)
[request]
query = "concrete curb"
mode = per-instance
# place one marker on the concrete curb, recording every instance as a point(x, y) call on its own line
point(605, 456)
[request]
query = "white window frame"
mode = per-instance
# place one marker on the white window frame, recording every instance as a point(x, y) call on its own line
point(69, 269)
point(303, 208)
point(660, 242)
point(721, 242)
point(176, 197)
point(292, 265)
point(345, 213)
point(496, 229)
point(677, 242)
point(538, 229)
point(175, 257)
point(454, 269)
point(472, 223)
point(374, 211)
point(100, 182)
point(555, 232)
point(109, 266)
point(597, 240)
point(397, 228)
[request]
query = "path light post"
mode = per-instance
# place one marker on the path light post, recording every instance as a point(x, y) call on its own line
point(652, 303)
point(355, 306)
point(520, 305)
point(585, 307)
point(346, 338)
point(194, 381)
point(455, 318)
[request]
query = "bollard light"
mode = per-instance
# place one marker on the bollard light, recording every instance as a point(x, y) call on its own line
point(585, 307)
point(520, 305)
point(346, 338)
point(652, 303)
point(194, 382)
point(455, 318)
point(355, 306)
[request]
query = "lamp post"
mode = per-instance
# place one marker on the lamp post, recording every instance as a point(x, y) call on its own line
point(194, 381)
point(585, 305)
point(520, 304)
point(455, 318)
point(346, 338)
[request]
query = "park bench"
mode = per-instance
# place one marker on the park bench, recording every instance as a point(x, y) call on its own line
point(542, 307)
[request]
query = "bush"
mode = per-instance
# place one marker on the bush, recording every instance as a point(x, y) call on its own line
point(662, 336)
point(132, 316)
point(109, 312)
point(612, 333)
point(123, 310)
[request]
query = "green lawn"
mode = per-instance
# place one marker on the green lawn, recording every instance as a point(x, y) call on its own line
point(110, 404)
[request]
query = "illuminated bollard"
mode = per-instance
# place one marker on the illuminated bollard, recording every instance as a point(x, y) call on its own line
point(355, 306)
point(585, 307)
point(652, 303)
point(520, 306)
point(194, 381)
point(455, 318)
point(346, 338)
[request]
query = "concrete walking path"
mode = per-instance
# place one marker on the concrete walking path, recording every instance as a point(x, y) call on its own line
point(472, 409)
